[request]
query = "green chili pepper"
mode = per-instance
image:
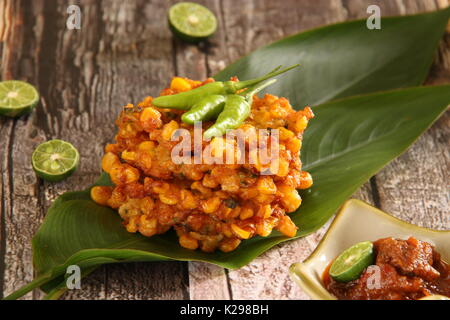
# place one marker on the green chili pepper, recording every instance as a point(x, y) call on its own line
point(233, 87)
point(237, 109)
point(185, 100)
point(206, 109)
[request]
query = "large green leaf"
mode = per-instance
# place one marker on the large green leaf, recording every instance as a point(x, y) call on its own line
point(347, 59)
point(347, 142)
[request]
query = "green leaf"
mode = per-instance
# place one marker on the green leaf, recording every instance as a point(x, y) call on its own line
point(347, 142)
point(347, 59)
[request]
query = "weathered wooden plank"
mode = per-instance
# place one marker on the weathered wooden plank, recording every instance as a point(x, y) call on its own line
point(20, 61)
point(5, 205)
point(5, 130)
point(20, 212)
point(120, 55)
point(414, 187)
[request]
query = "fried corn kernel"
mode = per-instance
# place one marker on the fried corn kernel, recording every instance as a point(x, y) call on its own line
point(131, 174)
point(108, 161)
point(169, 129)
point(130, 209)
point(161, 188)
point(299, 124)
point(264, 228)
point(226, 230)
point(193, 174)
point(211, 206)
point(209, 182)
point(246, 213)
point(147, 102)
point(168, 199)
point(124, 174)
point(144, 160)
point(239, 232)
point(306, 180)
point(290, 199)
point(282, 170)
point(117, 199)
point(129, 155)
point(265, 211)
point(188, 201)
point(101, 194)
point(308, 113)
point(287, 227)
point(147, 146)
point(146, 205)
point(264, 198)
point(294, 145)
point(228, 245)
point(133, 224)
point(148, 226)
point(188, 242)
point(201, 188)
point(128, 131)
point(236, 212)
point(266, 185)
point(209, 245)
point(285, 134)
point(150, 119)
point(111, 148)
point(180, 84)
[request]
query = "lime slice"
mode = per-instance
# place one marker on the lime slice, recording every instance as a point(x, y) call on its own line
point(17, 98)
point(55, 160)
point(192, 22)
point(351, 263)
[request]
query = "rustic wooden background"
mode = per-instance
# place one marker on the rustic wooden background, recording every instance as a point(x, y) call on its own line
point(124, 52)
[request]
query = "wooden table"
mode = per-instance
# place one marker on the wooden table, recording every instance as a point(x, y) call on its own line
point(124, 52)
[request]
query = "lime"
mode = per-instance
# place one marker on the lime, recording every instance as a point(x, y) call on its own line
point(17, 98)
point(55, 160)
point(192, 22)
point(351, 263)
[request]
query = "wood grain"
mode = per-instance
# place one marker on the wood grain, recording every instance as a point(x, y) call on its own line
point(123, 53)
point(100, 68)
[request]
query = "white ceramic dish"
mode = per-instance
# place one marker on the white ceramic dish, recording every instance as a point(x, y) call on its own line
point(355, 222)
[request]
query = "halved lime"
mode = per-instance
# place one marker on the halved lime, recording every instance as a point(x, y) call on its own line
point(351, 263)
point(55, 160)
point(17, 98)
point(192, 22)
